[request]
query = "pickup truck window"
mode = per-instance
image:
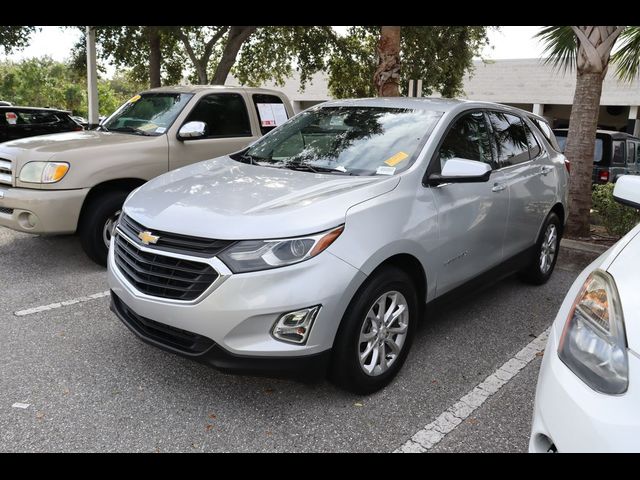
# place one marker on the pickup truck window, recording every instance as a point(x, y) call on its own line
point(224, 113)
point(269, 118)
point(147, 114)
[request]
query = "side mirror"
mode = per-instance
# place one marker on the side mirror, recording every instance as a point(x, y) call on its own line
point(627, 191)
point(192, 130)
point(460, 170)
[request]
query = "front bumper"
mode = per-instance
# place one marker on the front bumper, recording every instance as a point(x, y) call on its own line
point(573, 417)
point(41, 211)
point(236, 316)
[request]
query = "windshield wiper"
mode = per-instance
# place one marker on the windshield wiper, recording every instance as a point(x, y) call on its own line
point(129, 129)
point(250, 159)
point(305, 167)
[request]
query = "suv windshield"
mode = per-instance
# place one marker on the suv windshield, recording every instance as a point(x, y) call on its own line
point(355, 140)
point(147, 114)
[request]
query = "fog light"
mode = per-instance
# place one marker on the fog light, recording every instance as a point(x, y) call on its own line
point(294, 327)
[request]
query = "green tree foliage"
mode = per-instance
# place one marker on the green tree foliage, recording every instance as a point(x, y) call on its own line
point(43, 82)
point(15, 37)
point(439, 55)
point(617, 219)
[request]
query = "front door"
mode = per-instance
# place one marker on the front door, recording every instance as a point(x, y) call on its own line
point(471, 216)
point(228, 130)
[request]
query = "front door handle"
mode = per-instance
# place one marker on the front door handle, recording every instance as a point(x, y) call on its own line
point(498, 187)
point(545, 170)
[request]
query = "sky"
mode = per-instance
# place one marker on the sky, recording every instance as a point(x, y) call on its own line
point(508, 42)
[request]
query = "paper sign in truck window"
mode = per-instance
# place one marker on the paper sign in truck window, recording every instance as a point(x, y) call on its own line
point(271, 114)
point(11, 117)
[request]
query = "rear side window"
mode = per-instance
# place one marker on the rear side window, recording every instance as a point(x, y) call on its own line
point(546, 131)
point(597, 152)
point(224, 113)
point(270, 110)
point(618, 152)
point(512, 144)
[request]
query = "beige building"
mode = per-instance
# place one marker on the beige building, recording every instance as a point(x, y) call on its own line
point(525, 83)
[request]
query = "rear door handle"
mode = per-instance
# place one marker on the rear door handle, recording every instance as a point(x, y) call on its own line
point(545, 170)
point(498, 187)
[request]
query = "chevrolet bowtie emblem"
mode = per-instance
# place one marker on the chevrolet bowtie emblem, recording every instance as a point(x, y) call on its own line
point(147, 237)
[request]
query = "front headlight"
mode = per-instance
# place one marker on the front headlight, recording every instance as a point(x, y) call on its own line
point(252, 255)
point(43, 172)
point(593, 344)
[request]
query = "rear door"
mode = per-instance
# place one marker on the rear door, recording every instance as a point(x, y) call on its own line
point(228, 130)
point(529, 175)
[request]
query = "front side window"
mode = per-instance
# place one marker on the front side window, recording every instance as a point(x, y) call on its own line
point(618, 152)
point(631, 152)
point(225, 115)
point(147, 114)
point(512, 145)
point(468, 139)
point(354, 140)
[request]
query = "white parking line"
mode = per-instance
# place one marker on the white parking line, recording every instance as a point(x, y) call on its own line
point(53, 306)
point(432, 434)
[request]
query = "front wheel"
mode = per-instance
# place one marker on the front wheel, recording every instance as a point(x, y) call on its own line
point(97, 224)
point(376, 333)
point(546, 253)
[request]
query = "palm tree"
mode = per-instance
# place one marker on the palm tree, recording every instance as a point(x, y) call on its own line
point(387, 76)
point(589, 50)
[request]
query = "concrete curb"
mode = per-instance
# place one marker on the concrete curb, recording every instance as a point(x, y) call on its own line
point(583, 246)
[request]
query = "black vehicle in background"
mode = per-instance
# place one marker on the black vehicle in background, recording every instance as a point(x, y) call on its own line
point(21, 122)
point(615, 154)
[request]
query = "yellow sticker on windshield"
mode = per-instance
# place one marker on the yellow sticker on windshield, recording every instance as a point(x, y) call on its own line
point(396, 159)
point(134, 99)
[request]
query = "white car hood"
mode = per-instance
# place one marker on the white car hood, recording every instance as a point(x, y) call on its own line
point(229, 200)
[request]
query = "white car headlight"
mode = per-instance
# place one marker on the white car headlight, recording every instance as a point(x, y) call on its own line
point(43, 172)
point(593, 343)
point(253, 255)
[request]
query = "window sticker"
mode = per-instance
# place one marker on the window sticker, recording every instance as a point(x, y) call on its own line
point(134, 99)
point(385, 170)
point(11, 117)
point(161, 130)
point(396, 159)
point(271, 114)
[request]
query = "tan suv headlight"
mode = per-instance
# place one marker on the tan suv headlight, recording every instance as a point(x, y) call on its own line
point(43, 172)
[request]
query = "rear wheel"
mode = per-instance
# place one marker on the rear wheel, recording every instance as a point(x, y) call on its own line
point(98, 222)
point(376, 333)
point(546, 253)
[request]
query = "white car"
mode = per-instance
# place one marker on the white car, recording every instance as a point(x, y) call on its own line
point(588, 394)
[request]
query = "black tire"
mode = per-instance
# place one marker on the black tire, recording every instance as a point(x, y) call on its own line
point(94, 217)
point(345, 370)
point(533, 273)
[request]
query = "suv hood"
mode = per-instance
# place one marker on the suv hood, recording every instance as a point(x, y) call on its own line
point(44, 147)
point(229, 200)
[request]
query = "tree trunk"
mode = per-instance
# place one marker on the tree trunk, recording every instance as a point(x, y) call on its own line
point(155, 57)
point(237, 36)
point(386, 78)
point(579, 151)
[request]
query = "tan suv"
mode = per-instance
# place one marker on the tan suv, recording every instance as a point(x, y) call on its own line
point(77, 181)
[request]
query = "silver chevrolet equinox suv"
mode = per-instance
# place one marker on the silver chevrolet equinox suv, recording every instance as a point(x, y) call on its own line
point(316, 249)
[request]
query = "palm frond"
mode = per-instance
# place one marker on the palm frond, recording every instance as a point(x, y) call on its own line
point(627, 56)
point(560, 46)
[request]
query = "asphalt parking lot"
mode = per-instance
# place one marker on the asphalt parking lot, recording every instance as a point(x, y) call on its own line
point(87, 384)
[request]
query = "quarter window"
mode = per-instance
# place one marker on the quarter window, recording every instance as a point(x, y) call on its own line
point(468, 138)
point(224, 113)
point(512, 144)
point(534, 146)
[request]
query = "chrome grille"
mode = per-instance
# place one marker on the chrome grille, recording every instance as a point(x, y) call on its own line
point(174, 242)
point(5, 172)
point(160, 275)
